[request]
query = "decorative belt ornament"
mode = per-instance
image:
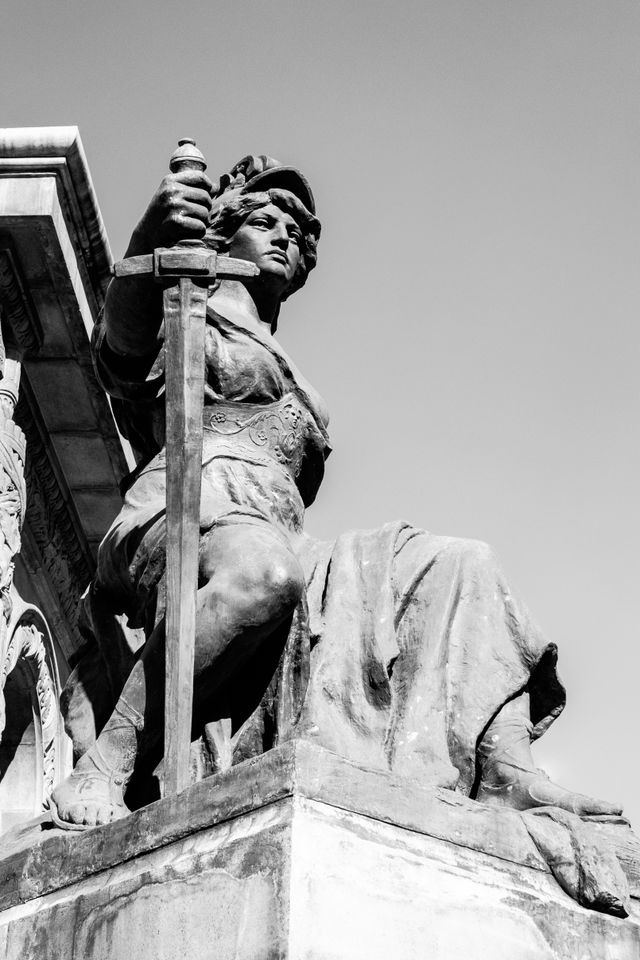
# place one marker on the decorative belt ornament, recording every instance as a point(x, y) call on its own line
point(279, 430)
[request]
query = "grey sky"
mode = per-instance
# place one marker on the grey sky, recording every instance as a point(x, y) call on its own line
point(473, 319)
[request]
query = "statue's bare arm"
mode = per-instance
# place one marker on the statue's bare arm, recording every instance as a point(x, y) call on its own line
point(179, 210)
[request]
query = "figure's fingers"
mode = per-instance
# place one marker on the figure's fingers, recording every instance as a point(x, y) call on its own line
point(180, 213)
point(182, 226)
point(193, 178)
point(194, 211)
point(194, 195)
point(195, 205)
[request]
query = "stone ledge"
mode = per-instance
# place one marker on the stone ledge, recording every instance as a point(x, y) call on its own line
point(298, 878)
point(39, 858)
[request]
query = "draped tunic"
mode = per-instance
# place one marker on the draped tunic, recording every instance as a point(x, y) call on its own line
point(405, 644)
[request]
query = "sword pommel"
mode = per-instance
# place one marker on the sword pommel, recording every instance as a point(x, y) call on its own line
point(187, 157)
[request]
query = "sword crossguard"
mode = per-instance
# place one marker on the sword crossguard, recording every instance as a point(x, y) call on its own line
point(168, 264)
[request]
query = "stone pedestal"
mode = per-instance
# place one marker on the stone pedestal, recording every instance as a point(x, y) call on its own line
point(297, 855)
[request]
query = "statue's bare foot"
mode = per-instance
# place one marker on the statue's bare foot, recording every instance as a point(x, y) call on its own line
point(92, 795)
point(512, 786)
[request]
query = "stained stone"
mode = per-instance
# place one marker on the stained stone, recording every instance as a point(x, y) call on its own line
point(298, 855)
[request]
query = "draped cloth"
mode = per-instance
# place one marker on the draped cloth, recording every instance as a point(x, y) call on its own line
point(404, 648)
point(415, 643)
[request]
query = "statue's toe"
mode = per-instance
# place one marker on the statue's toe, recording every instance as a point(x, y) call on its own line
point(64, 815)
point(89, 818)
point(86, 800)
point(105, 814)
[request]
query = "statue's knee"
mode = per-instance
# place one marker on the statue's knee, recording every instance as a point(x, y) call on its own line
point(263, 585)
point(279, 580)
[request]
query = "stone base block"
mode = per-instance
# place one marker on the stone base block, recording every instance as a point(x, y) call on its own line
point(297, 855)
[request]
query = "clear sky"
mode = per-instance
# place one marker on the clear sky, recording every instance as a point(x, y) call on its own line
point(473, 320)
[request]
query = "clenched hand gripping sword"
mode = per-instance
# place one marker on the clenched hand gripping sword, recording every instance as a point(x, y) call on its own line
point(185, 271)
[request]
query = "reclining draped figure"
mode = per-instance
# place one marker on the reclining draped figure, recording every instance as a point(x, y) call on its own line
point(397, 649)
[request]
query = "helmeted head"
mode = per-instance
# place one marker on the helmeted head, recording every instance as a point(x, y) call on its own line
point(256, 182)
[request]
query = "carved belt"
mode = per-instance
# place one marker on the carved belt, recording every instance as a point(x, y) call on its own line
point(276, 430)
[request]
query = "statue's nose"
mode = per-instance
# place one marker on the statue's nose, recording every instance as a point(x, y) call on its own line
point(280, 235)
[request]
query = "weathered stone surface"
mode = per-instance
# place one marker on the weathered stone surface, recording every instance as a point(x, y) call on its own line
point(298, 855)
point(219, 894)
point(361, 889)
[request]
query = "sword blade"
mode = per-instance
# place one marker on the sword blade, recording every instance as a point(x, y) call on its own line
point(185, 306)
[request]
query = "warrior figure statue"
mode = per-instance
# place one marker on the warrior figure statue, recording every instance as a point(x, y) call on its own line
point(395, 648)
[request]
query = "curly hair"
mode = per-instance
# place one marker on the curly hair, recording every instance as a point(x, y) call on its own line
point(232, 209)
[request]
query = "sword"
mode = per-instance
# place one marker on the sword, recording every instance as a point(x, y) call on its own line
point(186, 271)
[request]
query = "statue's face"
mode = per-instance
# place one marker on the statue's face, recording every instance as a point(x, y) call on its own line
point(271, 239)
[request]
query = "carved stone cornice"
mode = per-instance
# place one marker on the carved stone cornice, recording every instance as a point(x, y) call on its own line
point(19, 318)
point(58, 152)
point(51, 519)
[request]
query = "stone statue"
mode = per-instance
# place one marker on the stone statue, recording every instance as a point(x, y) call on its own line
point(395, 648)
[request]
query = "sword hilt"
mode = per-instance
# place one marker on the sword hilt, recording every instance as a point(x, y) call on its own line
point(187, 157)
point(187, 258)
